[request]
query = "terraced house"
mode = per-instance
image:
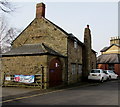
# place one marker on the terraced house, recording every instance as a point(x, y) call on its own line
point(45, 55)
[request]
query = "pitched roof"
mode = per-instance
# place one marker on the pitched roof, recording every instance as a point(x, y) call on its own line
point(69, 35)
point(108, 58)
point(106, 48)
point(31, 49)
point(55, 25)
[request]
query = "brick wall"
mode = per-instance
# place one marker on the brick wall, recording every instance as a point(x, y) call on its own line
point(117, 68)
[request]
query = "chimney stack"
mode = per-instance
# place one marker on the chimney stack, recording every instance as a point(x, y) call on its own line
point(40, 10)
point(87, 35)
point(88, 26)
point(115, 40)
point(87, 65)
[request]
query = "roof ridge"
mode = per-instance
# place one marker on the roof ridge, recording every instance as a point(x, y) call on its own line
point(107, 47)
point(56, 26)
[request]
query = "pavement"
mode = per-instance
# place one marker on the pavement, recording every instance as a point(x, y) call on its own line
point(92, 93)
point(10, 92)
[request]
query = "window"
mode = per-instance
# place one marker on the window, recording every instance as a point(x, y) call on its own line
point(111, 66)
point(75, 44)
point(73, 68)
point(79, 69)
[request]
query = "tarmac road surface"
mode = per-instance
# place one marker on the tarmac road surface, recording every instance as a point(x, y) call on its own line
point(101, 94)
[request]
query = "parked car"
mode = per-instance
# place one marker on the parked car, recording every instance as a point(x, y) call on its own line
point(111, 74)
point(98, 74)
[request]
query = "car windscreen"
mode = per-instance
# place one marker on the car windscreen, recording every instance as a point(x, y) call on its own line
point(95, 71)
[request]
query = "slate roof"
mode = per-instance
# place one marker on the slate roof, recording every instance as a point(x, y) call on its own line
point(106, 48)
point(31, 49)
point(108, 58)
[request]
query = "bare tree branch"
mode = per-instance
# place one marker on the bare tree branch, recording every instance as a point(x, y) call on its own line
point(6, 6)
point(7, 34)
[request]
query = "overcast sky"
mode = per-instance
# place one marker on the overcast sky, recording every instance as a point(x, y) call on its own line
point(73, 18)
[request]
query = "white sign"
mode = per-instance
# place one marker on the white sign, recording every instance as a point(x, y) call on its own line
point(8, 78)
point(24, 78)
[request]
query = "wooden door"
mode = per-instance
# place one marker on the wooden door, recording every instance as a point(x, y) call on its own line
point(55, 72)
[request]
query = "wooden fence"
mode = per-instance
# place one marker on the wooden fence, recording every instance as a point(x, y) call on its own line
point(9, 80)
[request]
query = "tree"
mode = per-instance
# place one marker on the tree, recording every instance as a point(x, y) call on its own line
point(7, 34)
point(6, 6)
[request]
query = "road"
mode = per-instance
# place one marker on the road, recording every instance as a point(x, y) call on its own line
point(101, 94)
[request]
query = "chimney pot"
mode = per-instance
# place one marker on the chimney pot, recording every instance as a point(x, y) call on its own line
point(88, 26)
point(40, 10)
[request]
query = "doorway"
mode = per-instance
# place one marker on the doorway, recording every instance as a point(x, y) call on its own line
point(55, 72)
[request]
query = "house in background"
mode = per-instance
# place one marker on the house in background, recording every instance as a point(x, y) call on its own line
point(110, 56)
point(48, 53)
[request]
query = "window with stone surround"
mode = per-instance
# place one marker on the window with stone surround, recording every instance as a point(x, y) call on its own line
point(79, 68)
point(73, 65)
point(75, 44)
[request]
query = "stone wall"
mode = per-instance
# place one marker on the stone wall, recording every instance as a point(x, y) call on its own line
point(23, 65)
point(74, 57)
point(26, 65)
point(87, 53)
point(94, 60)
point(30, 65)
point(42, 31)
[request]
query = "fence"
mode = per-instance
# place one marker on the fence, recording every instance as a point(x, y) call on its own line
point(36, 80)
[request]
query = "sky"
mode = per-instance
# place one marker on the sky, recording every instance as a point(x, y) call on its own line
point(73, 16)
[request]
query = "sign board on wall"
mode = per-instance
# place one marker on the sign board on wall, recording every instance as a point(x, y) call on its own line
point(7, 78)
point(24, 78)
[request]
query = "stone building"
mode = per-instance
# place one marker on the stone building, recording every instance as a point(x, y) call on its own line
point(50, 54)
point(110, 56)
